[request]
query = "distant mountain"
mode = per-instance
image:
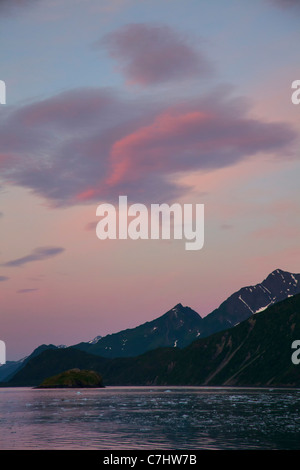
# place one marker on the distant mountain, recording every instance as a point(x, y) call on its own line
point(177, 328)
point(182, 325)
point(8, 370)
point(256, 352)
point(278, 286)
point(51, 362)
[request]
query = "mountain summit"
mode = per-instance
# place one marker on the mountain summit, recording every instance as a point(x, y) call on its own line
point(176, 328)
point(249, 300)
point(180, 325)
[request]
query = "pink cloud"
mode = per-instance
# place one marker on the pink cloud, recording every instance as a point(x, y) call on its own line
point(88, 144)
point(152, 54)
point(192, 137)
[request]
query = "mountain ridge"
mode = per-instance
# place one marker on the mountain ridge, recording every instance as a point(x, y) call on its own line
point(177, 327)
point(239, 306)
point(180, 326)
point(250, 300)
point(241, 356)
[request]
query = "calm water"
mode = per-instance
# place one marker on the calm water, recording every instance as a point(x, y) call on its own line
point(149, 418)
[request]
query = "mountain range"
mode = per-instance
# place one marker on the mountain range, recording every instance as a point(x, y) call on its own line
point(176, 329)
point(256, 352)
point(181, 325)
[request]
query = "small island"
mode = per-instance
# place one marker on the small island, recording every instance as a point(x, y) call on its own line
point(74, 378)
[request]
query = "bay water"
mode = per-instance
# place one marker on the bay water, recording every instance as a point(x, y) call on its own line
point(136, 418)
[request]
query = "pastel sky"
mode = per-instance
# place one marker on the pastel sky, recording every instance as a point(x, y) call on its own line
point(163, 101)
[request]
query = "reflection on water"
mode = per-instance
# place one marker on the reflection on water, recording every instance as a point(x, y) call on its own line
point(150, 418)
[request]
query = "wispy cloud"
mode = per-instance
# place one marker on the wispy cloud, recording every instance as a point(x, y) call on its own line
point(38, 254)
point(26, 291)
point(3, 278)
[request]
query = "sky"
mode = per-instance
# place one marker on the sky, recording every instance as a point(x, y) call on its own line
point(164, 102)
